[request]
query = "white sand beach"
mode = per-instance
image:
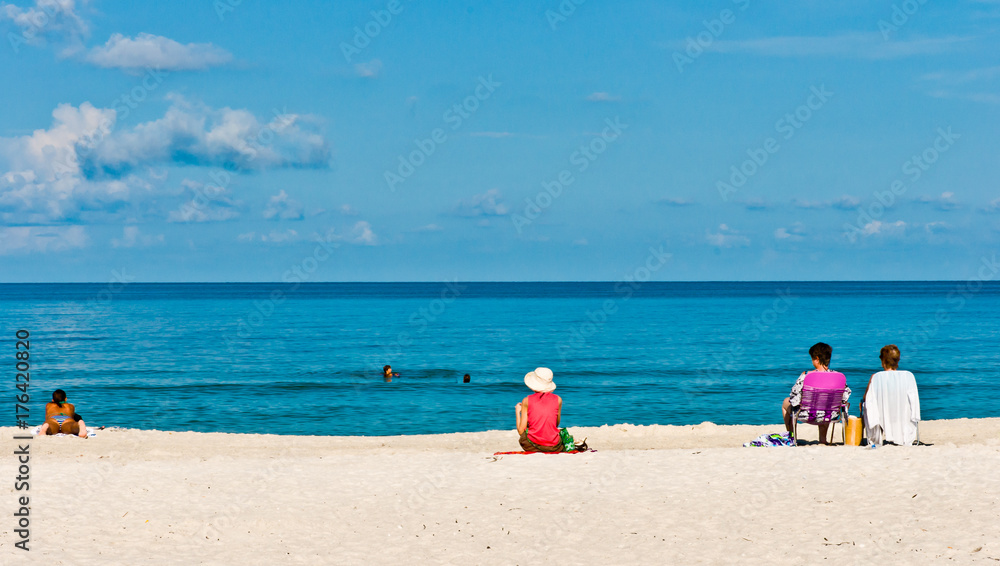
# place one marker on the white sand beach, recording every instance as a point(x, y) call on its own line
point(649, 495)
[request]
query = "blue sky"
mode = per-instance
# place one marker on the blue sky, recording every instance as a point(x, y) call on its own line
point(233, 141)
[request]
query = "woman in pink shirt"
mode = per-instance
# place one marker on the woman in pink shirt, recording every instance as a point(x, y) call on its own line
point(538, 414)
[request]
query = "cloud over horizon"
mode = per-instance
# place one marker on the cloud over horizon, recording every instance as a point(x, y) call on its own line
point(153, 51)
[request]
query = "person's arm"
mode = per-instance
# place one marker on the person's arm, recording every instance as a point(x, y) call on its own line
point(559, 412)
point(522, 416)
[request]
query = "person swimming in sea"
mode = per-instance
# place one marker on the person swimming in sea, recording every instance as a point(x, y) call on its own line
point(387, 374)
point(61, 417)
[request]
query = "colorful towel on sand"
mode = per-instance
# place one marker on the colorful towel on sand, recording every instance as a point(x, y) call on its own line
point(523, 452)
point(771, 440)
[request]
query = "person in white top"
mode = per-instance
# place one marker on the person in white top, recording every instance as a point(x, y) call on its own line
point(891, 405)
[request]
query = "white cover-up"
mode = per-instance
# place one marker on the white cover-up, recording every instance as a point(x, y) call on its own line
point(892, 408)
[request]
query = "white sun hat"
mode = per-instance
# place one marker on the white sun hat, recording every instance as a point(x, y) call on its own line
point(540, 380)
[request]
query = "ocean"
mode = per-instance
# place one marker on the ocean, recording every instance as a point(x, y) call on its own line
point(306, 359)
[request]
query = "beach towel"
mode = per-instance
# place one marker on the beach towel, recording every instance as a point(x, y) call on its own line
point(90, 432)
point(892, 408)
point(523, 452)
point(772, 440)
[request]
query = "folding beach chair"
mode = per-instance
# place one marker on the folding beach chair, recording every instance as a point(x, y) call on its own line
point(823, 404)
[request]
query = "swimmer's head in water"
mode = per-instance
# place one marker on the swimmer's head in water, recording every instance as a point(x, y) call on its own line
point(59, 397)
point(386, 369)
point(466, 378)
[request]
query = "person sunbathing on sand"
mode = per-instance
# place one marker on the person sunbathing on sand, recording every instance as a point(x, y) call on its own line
point(821, 354)
point(61, 417)
point(538, 414)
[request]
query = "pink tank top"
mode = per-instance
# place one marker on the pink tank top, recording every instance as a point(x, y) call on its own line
point(542, 411)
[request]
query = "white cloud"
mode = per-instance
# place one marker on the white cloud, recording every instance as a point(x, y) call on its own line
point(674, 201)
point(429, 228)
point(281, 207)
point(81, 168)
point(853, 45)
point(946, 201)
point(793, 233)
point(279, 237)
point(757, 203)
point(726, 237)
point(41, 239)
point(369, 70)
point(362, 234)
point(132, 237)
point(937, 227)
point(347, 210)
point(57, 19)
point(274, 237)
point(953, 77)
point(156, 52)
point(194, 134)
point(844, 202)
point(484, 204)
point(43, 181)
point(206, 203)
point(878, 228)
point(603, 97)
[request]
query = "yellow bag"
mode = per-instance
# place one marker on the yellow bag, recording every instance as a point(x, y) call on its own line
point(854, 431)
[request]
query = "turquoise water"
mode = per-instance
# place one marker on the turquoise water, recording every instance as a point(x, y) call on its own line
point(307, 359)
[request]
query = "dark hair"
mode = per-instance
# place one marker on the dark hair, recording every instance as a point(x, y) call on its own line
point(890, 356)
point(466, 378)
point(821, 351)
point(385, 367)
point(59, 397)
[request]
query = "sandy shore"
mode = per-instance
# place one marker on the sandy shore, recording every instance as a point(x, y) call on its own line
point(656, 494)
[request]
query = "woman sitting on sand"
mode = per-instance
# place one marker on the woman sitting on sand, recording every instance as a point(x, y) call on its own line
point(538, 414)
point(61, 417)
